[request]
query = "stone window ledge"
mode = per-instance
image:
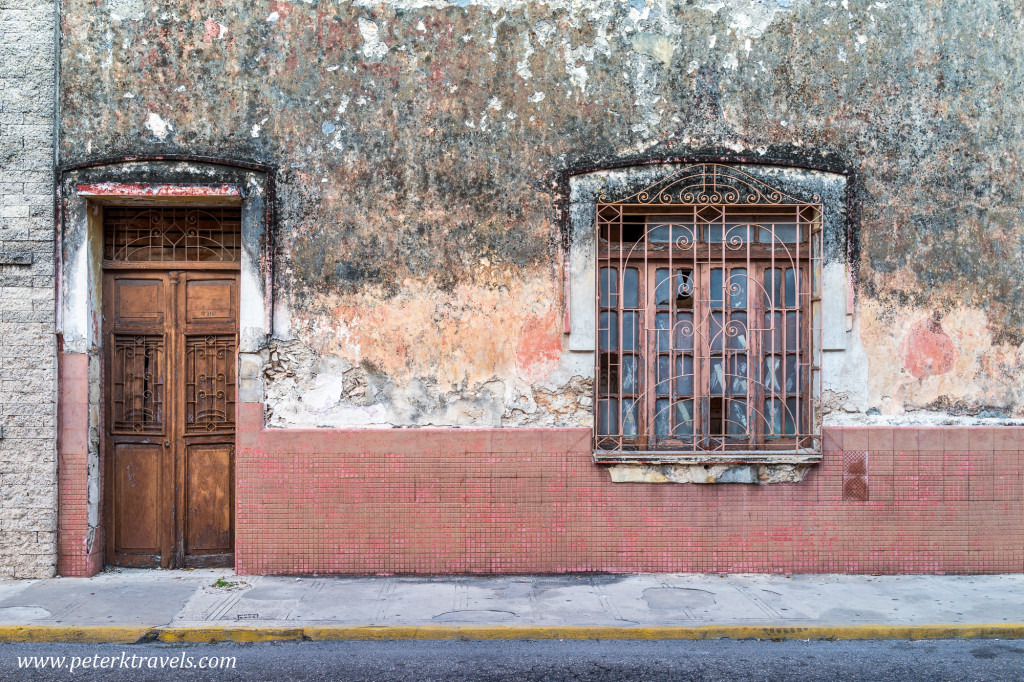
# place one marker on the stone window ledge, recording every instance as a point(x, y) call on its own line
point(757, 467)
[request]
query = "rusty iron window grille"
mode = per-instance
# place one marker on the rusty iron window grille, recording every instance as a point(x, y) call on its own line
point(172, 234)
point(708, 309)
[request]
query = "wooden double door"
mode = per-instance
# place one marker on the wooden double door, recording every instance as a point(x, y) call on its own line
point(170, 342)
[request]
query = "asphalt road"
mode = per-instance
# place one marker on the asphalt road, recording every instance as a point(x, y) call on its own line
point(580, 661)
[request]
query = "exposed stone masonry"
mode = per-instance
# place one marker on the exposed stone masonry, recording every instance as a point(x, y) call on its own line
point(28, 457)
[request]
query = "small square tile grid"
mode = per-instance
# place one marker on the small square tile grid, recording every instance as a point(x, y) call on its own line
point(531, 501)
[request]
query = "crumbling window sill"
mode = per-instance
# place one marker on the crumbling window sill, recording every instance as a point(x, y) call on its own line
point(755, 467)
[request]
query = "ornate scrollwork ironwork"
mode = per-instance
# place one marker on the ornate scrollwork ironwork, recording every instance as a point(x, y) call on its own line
point(708, 184)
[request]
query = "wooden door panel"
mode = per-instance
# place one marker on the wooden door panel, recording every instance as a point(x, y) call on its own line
point(137, 507)
point(141, 302)
point(211, 302)
point(208, 499)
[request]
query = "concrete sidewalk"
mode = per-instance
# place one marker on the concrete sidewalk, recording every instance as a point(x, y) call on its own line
point(210, 605)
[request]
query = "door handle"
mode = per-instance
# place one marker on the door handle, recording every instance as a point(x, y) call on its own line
point(167, 443)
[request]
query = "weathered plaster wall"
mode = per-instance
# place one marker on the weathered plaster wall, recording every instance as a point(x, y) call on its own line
point(421, 143)
point(28, 352)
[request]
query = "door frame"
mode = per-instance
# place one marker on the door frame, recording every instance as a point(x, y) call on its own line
point(82, 191)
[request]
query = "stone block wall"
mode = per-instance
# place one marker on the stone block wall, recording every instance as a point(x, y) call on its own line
point(28, 373)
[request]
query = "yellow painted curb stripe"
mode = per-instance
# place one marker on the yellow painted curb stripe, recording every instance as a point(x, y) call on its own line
point(227, 634)
point(473, 632)
point(129, 634)
point(114, 634)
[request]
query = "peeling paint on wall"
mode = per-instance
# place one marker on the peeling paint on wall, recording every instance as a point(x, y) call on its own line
point(420, 144)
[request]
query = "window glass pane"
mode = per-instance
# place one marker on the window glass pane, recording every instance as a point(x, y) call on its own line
point(778, 233)
point(773, 373)
point(629, 410)
point(733, 234)
point(716, 288)
point(661, 323)
point(790, 288)
point(791, 374)
point(684, 331)
point(715, 332)
point(738, 288)
point(661, 234)
point(738, 374)
point(684, 375)
point(630, 331)
point(716, 376)
point(792, 330)
point(773, 418)
point(662, 288)
point(736, 423)
point(609, 287)
point(772, 332)
point(684, 418)
point(607, 417)
point(773, 287)
point(664, 385)
point(791, 418)
point(609, 332)
point(630, 383)
point(661, 417)
point(631, 288)
point(736, 332)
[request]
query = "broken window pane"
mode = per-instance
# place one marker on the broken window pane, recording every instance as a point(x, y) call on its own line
point(736, 424)
point(684, 418)
point(736, 333)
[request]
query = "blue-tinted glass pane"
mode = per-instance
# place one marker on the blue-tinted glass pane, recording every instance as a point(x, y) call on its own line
point(738, 288)
point(736, 421)
point(778, 233)
point(715, 332)
point(736, 332)
point(661, 234)
point(609, 287)
point(716, 376)
point(630, 331)
point(684, 418)
point(792, 330)
point(629, 425)
point(662, 287)
point(790, 288)
point(631, 288)
point(716, 288)
point(738, 375)
point(791, 374)
point(773, 418)
point(662, 417)
point(772, 332)
point(792, 418)
point(684, 375)
point(630, 377)
point(661, 323)
point(664, 378)
point(684, 331)
point(608, 338)
point(773, 373)
point(773, 287)
point(608, 417)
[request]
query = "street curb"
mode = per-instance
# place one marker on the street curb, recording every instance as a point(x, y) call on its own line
point(173, 634)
